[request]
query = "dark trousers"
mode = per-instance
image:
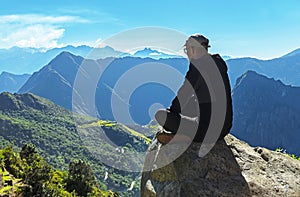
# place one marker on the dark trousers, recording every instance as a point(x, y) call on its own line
point(176, 122)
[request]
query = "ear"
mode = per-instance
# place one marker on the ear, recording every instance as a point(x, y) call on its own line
point(193, 51)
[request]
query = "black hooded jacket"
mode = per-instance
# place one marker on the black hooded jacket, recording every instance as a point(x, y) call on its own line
point(189, 99)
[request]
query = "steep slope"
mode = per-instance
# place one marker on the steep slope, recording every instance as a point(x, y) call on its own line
point(62, 70)
point(266, 112)
point(26, 118)
point(231, 168)
point(55, 80)
point(11, 82)
point(296, 52)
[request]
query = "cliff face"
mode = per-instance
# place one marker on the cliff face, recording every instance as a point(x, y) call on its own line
point(266, 113)
point(231, 168)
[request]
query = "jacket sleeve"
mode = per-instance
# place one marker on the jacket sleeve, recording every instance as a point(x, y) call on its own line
point(186, 91)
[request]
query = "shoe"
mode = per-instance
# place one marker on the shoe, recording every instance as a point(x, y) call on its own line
point(164, 137)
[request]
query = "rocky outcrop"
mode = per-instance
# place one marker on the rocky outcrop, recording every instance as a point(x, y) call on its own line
point(231, 168)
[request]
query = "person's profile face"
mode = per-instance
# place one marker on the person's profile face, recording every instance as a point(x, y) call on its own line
point(195, 52)
point(188, 51)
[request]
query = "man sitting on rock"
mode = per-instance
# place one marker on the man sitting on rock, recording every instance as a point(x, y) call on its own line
point(190, 113)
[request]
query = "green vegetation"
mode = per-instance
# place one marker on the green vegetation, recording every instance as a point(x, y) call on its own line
point(97, 123)
point(27, 174)
point(29, 119)
point(134, 133)
point(281, 150)
point(112, 124)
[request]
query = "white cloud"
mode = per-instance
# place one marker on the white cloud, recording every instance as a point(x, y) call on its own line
point(38, 19)
point(37, 36)
point(31, 30)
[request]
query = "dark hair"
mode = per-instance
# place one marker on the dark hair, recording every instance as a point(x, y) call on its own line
point(200, 39)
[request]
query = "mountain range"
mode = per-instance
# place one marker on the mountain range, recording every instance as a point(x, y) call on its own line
point(12, 83)
point(154, 54)
point(28, 60)
point(285, 68)
point(61, 73)
point(266, 112)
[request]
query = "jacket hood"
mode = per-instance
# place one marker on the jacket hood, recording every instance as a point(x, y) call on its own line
point(220, 63)
point(207, 60)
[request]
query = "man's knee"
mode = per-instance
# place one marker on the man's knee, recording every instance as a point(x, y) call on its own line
point(161, 116)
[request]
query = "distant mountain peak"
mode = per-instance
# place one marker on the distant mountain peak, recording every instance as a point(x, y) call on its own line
point(64, 57)
point(226, 57)
point(11, 82)
point(9, 75)
point(293, 53)
point(5, 73)
point(248, 74)
point(108, 47)
point(149, 50)
point(152, 53)
point(251, 77)
point(252, 74)
point(79, 46)
point(146, 51)
point(65, 53)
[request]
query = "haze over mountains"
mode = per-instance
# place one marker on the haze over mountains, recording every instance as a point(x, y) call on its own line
point(11, 82)
point(61, 71)
point(285, 68)
point(28, 60)
point(154, 54)
point(266, 112)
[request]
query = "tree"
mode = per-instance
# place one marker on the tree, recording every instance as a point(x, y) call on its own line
point(81, 178)
point(11, 161)
point(37, 170)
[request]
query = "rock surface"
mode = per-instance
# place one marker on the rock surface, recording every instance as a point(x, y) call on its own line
point(231, 168)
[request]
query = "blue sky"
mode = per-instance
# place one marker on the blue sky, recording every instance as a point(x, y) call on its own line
point(257, 28)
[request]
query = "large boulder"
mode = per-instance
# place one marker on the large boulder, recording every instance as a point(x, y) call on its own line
point(231, 168)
